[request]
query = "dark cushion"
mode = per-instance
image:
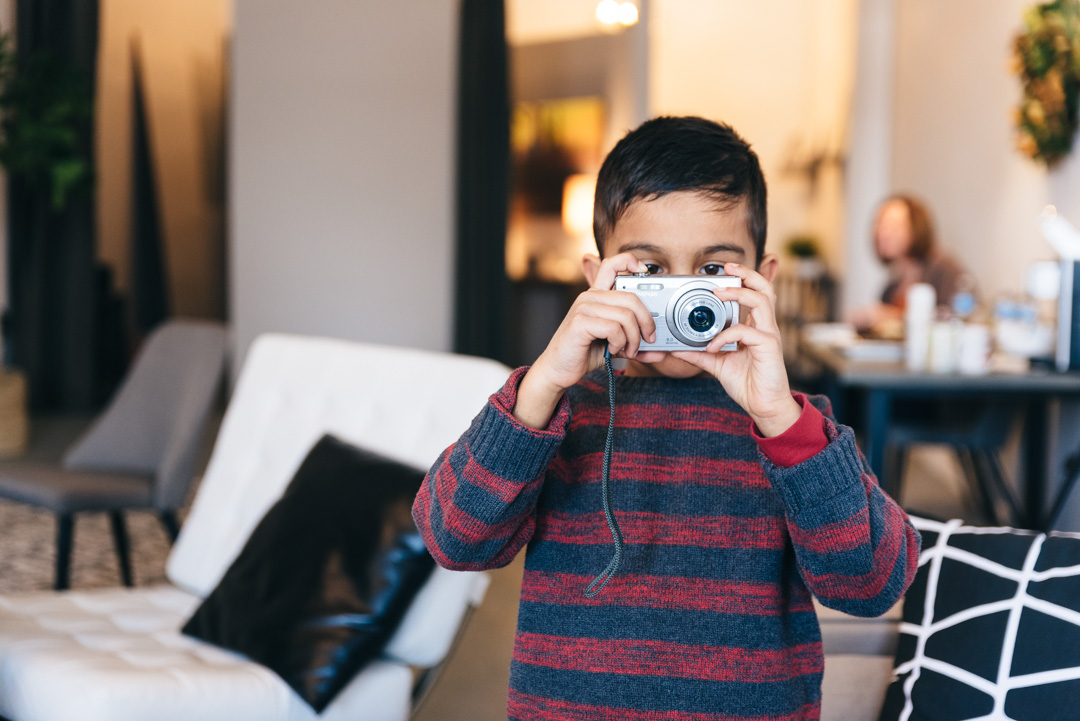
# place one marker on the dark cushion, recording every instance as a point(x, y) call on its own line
point(981, 595)
point(327, 574)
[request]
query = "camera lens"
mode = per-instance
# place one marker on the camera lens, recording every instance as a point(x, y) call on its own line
point(702, 319)
point(695, 315)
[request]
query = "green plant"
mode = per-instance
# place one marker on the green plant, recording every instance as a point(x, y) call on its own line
point(803, 246)
point(1046, 57)
point(43, 106)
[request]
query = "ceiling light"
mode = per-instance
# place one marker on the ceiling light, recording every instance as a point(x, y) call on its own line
point(607, 12)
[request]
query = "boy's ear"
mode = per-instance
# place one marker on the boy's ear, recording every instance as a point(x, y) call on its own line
point(591, 265)
point(768, 266)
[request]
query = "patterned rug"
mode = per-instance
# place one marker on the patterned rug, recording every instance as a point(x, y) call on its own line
point(28, 549)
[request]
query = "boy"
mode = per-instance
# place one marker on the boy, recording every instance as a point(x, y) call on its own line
point(736, 499)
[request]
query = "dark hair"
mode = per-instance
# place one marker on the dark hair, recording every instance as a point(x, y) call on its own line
point(670, 154)
point(923, 239)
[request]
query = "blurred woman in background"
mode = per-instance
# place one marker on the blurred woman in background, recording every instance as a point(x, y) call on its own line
point(905, 242)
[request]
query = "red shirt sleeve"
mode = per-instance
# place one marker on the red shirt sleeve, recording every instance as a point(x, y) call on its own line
point(806, 438)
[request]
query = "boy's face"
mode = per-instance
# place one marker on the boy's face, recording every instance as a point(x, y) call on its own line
point(683, 233)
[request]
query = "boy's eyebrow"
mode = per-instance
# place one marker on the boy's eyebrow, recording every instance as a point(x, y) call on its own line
point(723, 248)
point(710, 250)
point(647, 247)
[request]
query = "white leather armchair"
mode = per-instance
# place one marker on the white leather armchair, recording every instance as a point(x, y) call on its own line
point(118, 655)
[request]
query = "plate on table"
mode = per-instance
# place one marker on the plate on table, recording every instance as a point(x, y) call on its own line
point(874, 351)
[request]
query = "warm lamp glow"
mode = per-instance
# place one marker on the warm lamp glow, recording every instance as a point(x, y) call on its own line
point(613, 12)
point(577, 210)
point(577, 204)
point(607, 12)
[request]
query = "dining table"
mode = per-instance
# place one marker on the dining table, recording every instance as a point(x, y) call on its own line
point(877, 385)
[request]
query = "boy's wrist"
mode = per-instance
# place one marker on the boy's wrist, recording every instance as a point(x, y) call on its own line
point(800, 442)
point(537, 399)
point(774, 424)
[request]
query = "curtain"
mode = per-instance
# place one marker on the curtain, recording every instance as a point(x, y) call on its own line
point(483, 168)
point(50, 327)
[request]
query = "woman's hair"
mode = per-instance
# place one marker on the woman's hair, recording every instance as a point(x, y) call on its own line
point(923, 239)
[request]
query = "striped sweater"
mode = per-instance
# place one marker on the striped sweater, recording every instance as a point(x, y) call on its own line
point(710, 615)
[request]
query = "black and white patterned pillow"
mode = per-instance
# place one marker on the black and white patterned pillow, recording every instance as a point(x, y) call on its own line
point(991, 627)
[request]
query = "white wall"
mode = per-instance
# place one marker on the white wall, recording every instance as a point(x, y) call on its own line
point(869, 167)
point(953, 140)
point(341, 170)
point(778, 71)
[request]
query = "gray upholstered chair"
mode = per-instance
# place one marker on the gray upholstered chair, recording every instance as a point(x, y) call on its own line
point(140, 453)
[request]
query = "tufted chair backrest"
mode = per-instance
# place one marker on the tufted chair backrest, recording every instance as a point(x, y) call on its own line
point(403, 403)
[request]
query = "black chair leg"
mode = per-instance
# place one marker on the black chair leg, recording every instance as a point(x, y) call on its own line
point(172, 526)
point(984, 503)
point(1001, 482)
point(123, 550)
point(984, 475)
point(1059, 505)
point(895, 462)
point(65, 527)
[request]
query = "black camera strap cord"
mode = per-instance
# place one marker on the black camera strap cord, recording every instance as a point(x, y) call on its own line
point(600, 581)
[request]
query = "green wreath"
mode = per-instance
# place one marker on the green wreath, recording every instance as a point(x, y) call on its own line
point(1047, 60)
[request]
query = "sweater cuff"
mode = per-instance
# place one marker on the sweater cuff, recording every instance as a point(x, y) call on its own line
point(823, 478)
point(805, 439)
point(503, 445)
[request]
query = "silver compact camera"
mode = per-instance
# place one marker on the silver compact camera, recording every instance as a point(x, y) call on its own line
point(686, 312)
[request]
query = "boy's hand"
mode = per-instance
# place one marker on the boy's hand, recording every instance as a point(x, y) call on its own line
point(599, 317)
point(754, 375)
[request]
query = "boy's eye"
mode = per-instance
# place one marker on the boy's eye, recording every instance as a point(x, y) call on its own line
point(652, 268)
point(712, 269)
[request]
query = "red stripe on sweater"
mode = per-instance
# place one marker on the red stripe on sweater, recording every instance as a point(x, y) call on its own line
point(843, 535)
point(871, 584)
point(462, 525)
point(767, 532)
point(514, 542)
point(593, 386)
point(663, 417)
point(648, 468)
point(635, 657)
point(526, 706)
point(482, 478)
point(667, 592)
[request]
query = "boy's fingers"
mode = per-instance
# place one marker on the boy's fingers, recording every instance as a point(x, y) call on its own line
point(621, 263)
point(631, 302)
point(623, 316)
point(650, 356)
point(760, 306)
point(751, 279)
point(741, 333)
point(704, 361)
point(610, 331)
